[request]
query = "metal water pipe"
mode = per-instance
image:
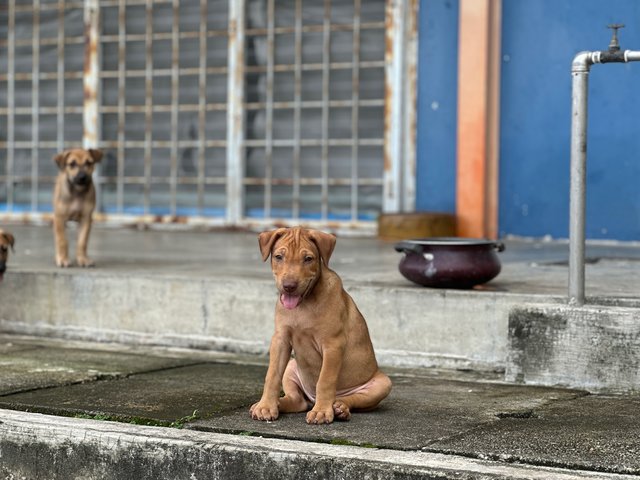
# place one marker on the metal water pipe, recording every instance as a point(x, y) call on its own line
point(580, 67)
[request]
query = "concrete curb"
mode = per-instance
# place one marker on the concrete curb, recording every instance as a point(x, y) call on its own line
point(591, 347)
point(409, 326)
point(34, 446)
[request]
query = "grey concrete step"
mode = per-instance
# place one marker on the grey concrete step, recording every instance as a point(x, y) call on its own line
point(409, 326)
point(596, 347)
point(210, 290)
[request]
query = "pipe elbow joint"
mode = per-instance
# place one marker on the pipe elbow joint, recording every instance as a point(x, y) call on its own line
point(582, 62)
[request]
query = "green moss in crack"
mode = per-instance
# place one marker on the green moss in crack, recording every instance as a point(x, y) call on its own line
point(180, 423)
point(344, 441)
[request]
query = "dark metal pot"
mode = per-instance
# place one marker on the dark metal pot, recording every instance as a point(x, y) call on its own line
point(449, 262)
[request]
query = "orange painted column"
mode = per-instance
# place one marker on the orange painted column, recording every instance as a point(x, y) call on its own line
point(478, 118)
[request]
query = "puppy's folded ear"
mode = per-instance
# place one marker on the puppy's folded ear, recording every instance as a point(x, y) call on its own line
point(95, 154)
point(61, 159)
point(325, 242)
point(9, 238)
point(266, 240)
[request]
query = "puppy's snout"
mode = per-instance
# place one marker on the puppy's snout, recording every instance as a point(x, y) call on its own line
point(82, 178)
point(290, 286)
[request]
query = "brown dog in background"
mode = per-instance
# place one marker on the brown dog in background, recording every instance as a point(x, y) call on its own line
point(334, 370)
point(6, 241)
point(74, 198)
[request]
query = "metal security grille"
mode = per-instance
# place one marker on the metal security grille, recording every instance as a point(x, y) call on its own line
point(315, 109)
point(163, 107)
point(219, 111)
point(41, 97)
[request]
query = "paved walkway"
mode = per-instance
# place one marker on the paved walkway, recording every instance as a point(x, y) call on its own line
point(453, 413)
point(435, 424)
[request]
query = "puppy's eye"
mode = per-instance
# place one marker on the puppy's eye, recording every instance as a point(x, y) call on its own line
point(88, 163)
point(73, 164)
point(308, 259)
point(278, 257)
point(4, 249)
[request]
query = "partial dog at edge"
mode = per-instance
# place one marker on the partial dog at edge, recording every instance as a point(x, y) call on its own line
point(334, 371)
point(74, 198)
point(6, 241)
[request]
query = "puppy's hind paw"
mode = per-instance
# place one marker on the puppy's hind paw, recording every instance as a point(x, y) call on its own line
point(85, 262)
point(341, 411)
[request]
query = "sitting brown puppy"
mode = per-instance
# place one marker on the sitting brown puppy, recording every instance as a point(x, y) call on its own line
point(6, 241)
point(334, 370)
point(74, 198)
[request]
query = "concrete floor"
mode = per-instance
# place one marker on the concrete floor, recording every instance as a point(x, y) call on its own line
point(532, 267)
point(458, 414)
point(436, 424)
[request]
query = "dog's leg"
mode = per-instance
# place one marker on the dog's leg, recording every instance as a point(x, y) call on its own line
point(279, 355)
point(294, 400)
point(366, 399)
point(60, 237)
point(322, 411)
point(83, 240)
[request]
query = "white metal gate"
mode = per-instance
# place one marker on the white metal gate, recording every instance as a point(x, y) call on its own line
point(214, 111)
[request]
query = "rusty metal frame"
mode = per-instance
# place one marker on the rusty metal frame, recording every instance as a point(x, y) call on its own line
point(326, 72)
point(400, 105)
point(235, 112)
point(121, 104)
point(91, 78)
point(355, 108)
point(297, 109)
point(202, 103)
point(148, 105)
point(35, 101)
point(91, 84)
point(60, 77)
point(269, 107)
point(175, 85)
point(11, 78)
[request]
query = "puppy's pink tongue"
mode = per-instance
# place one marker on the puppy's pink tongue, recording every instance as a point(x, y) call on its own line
point(290, 301)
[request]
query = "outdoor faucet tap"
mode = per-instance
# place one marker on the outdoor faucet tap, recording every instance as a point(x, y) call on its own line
point(614, 45)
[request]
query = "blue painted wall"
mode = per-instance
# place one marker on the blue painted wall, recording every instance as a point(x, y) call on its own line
point(539, 40)
point(437, 104)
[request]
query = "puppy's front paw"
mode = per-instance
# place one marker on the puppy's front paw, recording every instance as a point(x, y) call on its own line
point(319, 416)
point(85, 262)
point(264, 411)
point(62, 262)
